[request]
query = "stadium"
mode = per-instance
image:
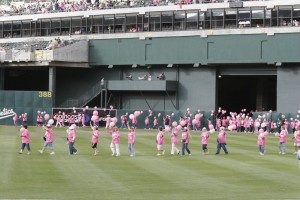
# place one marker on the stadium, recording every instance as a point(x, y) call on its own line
point(161, 57)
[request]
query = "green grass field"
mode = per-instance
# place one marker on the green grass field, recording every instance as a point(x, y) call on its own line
point(242, 174)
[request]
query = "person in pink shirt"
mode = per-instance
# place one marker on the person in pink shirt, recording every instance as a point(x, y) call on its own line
point(25, 139)
point(131, 141)
point(296, 139)
point(63, 116)
point(160, 141)
point(15, 119)
point(155, 123)
point(95, 138)
point(108, 120)
point(174, 141)
point(204, 140)
point(58, 120)
point(71, 139)
point(83, 120)
point(115, 142)
point(282, 140)
point(185, 141)
point(134, 122)
point(261, 141)
point(24, 118)
point(222, 141)
point(147, 123)
point(39, 119)
point(49, 138)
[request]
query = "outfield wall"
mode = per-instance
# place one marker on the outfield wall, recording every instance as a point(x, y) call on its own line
point(21, 102)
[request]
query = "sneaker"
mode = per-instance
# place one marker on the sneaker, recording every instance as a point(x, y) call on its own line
point(283, 153)
point(131, 155)
point(52, 153)
point(279, 152)
point(158, 154)
point(75, 153)
point(20, 152)
point(40, 151)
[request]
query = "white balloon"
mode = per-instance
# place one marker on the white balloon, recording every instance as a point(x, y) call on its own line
point(51, 121)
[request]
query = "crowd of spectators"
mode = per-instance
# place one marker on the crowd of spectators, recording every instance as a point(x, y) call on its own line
point(40, 7)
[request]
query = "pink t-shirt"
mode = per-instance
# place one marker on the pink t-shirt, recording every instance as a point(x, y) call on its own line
point(49, 135)
point(25, 136)
point(222, 137)
point(185, 137)
point(131, 137)
point(174, 137)
point(261, 139)
point(95, 137)
point(297, 137)
point(283, 136)
point(160, 138)
point(71, 135)
point(204, 137)
point(115, 137)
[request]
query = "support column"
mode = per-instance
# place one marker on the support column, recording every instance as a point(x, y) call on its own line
point(259, 94)
point(2, 78)
point(52, 83)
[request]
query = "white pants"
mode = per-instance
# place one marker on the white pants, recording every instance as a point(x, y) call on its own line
point(115, 149)
point(174, 148)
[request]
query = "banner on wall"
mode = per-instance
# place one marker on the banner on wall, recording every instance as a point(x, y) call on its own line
point(5, 113)
point(88, 113)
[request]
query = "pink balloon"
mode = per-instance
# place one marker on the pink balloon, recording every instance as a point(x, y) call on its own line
point(114, 119)
point(131, 116)
point(159, 114)
point(47, 117)
point(95, 112)
point(197, 116)
point(233, 127)
point(179, 127)
point(211, 127)
point(112, 124)
point(174, 124)
point(168, 129)
point(94, 118)
point(95, 108)
point(182, 123)
point(137, 113)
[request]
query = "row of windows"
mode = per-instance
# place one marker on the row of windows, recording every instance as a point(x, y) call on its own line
point(154, 21)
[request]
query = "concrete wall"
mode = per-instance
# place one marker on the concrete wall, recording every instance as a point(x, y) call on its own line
point(77, 52)
point(288, 96)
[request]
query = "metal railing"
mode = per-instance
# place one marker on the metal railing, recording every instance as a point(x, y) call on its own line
point(88, 96)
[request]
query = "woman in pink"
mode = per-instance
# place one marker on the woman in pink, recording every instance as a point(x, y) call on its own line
point(174, 141)
point(39, 120)
point(71, 139)
point(221, 141)
point(15, 119)
point(185, 141)
point(115, 142)
point(282, 140)
point(296, 139)
point(147, 123)
point(58, 120)
point(83, 120)
point(49, 138)
point(108, 120)
point(63, 116)
point(261, 142)
point(24, 118)
point(95, 138)
point(204, 140)
point(160, 141)
point(25, 138)
point(155, 123)
point(134, 122)
point(131, 141)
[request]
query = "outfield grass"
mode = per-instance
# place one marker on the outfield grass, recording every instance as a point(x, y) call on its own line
point(242, 174)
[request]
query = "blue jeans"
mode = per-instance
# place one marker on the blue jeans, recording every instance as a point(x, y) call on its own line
point(223, 146)
point(185, 147)
point(261, 149)
point(123, 125)
point(72, 148)
point(131, 149)
point(25, 145)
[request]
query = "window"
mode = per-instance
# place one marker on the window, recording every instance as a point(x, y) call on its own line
point(108, 23)
point(217, 19)
point(45, 28)
point(179, 20)
point(155, 22)
point(131, 23)
point(26, 28)
point(76, 25)
point(167, 21)
point(65, 26)
point(55, 27)
point(191, 20)
point(97, 26)
point(231, 18)
point(285, 15)
point(7, 30)
point(120, 23)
